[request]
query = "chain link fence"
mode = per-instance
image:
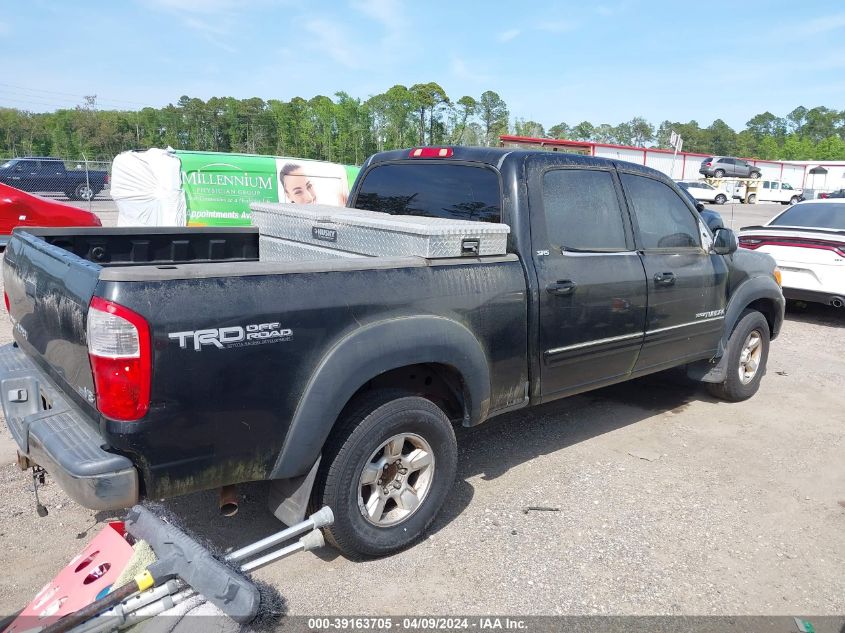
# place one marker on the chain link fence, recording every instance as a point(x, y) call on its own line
point(81, 182)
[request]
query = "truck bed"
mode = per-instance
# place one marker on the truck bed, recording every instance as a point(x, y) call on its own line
point(222, 413)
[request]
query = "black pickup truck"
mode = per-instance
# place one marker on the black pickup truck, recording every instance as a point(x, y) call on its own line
point(169, 361)
point(49, 175)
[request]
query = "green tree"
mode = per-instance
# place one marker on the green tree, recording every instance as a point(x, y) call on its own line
point(528, 128)
point(561, 130)
point(642, 131)
point(493, 112)
point(464, 111)
point(583, 131)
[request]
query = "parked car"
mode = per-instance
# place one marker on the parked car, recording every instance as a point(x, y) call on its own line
point(702, 191)
point(839, 193)
point(808, 243)
point(723, 166)
point(340, 379)
point(18, 208)
point(49, 175)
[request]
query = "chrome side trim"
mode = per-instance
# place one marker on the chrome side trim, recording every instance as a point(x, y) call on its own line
point(625, 337)
point(612, 339)
point(675, 327)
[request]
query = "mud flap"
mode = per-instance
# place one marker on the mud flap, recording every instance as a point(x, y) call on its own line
point(288, 498)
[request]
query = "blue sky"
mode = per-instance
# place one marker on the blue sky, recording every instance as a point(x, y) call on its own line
point(602, 60)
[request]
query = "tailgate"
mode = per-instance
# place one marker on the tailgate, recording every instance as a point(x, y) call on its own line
point(49, 290)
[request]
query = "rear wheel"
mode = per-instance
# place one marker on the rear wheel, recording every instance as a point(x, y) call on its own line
point(83, 192)
point(385, 473)
point(746, 356)
point(719, 173)
point(721, 199)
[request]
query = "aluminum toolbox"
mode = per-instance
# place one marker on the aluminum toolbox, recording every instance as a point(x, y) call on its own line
point(274, 249)
point(379, 234)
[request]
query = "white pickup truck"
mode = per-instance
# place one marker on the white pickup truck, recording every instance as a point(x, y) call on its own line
point(768, 191)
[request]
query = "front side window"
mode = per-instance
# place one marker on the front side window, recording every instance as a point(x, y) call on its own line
point(664, 220)
point(582, 211)
point(438, 190)
point(787, 186)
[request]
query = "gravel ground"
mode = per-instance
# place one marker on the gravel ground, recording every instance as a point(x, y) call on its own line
point(668, 502)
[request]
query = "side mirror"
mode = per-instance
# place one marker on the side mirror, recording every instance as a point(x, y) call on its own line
point(699, 206)
point(724, 242)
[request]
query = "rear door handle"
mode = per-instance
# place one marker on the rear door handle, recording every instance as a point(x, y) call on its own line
point(664, 279)
point(560, 288)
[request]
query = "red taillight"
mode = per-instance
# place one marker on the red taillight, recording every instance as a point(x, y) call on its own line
point(8, 305)
point(707, 164)
point(121, 360)
point(431, 152)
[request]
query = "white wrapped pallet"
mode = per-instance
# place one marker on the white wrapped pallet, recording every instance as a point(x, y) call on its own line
point(379, 234)
point(147, 188)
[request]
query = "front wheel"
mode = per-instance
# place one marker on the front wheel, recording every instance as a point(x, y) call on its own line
point(746, 356)
point(755, 174)
point(752, 199)
point(793, 200)
point(386, 471)
point(721, 199)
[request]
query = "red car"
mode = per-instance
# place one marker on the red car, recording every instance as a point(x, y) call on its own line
point(18, 208)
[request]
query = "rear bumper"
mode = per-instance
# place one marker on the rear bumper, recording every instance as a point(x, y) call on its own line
point(52, 433)
point(813, 296)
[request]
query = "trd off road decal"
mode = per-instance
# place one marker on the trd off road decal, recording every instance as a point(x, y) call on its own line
point(233, 336)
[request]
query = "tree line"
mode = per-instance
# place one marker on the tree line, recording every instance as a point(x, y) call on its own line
point(346, 129)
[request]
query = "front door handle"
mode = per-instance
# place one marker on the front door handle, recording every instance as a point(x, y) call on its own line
point(664, 279)
point(560, 288)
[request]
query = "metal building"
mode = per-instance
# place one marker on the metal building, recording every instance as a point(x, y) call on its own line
point(815, 176)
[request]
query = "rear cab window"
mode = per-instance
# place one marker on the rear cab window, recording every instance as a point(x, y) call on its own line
point(582, 211)
point(456, 191)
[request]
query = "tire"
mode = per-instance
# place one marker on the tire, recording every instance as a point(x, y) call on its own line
point(739, 383)
point(755, 174)
point(794, 200)
point(721, 199)
point(719, 173)
point(364, 436)
point(752, 199)
point(83, 192)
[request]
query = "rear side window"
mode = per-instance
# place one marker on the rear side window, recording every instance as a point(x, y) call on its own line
point(663, 217)
point(822, 215)
point(582, 211)
point(437, 190)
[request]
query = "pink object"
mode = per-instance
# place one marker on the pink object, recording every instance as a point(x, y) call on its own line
point(87, 575)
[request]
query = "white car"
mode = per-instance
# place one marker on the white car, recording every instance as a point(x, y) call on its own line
point(808, 243)
point(700, 190)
